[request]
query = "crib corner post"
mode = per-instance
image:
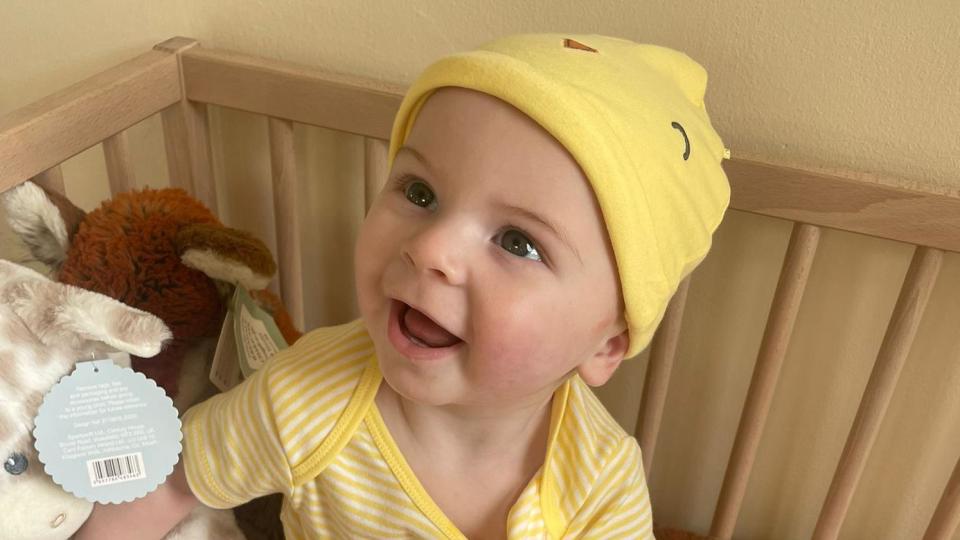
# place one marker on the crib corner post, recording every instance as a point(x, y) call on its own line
point(176, 44)
point(186, 135)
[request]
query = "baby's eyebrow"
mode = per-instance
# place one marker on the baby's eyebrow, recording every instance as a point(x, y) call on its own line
point(419, 157)
point(557, 230)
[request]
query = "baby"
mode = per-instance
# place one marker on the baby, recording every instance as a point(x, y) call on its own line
point(547, 194)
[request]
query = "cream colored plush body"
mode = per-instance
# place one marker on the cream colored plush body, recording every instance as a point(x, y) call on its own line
point(45, 327)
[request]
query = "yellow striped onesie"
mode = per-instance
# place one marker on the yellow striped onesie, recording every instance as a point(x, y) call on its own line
point(306, 425)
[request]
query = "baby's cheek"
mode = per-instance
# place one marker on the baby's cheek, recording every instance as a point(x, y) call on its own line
point(512, 323)
point(523, 353)
point(511, 349)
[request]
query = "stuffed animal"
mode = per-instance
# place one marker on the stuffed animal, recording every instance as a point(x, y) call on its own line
point(45, 327)
point(160, 251)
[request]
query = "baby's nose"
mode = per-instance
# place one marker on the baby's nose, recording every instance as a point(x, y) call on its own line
point(439, 251)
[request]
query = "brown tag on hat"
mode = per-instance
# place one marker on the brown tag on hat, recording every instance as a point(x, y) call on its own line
point(574, 44)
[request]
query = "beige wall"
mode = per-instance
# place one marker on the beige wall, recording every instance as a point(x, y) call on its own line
point(850, 85)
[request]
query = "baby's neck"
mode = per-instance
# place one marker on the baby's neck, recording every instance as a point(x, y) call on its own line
point(473, 464)
point(470, 434)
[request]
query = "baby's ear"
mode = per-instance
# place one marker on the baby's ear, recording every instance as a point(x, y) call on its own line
point(600, 367)
point(226, 254)
point(45, 220)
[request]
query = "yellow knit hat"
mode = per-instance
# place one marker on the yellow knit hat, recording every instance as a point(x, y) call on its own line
point(633, 117)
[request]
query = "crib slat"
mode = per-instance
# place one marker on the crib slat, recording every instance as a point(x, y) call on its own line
point(946, 519)
point(375, 168)
point(773, 348)
point(901, 330)
point(186, 137)
point(47, 132)
point(51, 179)
point(284, 166)
point(119, 169)
point(663, 352)
point(187, 141)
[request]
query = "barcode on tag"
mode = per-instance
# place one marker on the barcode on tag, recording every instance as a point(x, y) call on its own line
point(113, 470)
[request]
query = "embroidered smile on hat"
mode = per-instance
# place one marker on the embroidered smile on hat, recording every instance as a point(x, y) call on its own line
point(633, 117)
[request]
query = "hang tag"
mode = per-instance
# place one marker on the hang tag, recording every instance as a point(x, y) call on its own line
point(107, 434)
point(225, 368)
point(119, 358)
point(258, 337)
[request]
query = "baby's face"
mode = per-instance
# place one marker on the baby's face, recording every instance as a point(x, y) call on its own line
point(483, 270)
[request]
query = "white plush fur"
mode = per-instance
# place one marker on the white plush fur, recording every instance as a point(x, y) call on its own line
point(38, 509)
point(38, 222)
point(45, 327)
point(218, 267)
point(63, 315)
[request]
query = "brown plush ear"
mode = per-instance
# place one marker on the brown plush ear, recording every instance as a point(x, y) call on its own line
point(226, 254)
point(45, 220)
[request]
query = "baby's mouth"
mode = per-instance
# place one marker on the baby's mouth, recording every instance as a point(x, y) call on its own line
point(422, 330)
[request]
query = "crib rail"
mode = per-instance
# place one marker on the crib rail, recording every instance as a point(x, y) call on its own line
point(865, 206)
point(292, 92)
point(179, 79)
point(42, 135)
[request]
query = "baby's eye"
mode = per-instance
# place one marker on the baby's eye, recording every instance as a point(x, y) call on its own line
point(518, 244)
point(419, 194)
point(15, 464)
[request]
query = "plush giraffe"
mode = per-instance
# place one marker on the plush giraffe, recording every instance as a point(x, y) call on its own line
point(45, 327)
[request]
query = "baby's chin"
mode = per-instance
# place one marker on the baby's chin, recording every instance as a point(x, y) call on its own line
point(411, 389)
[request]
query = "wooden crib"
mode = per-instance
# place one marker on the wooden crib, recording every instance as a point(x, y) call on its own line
point(179, 79)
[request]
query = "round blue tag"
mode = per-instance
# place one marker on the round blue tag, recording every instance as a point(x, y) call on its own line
point(107, 434)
